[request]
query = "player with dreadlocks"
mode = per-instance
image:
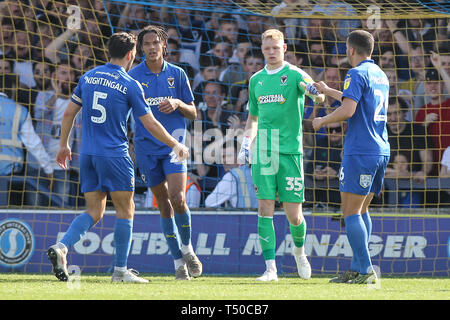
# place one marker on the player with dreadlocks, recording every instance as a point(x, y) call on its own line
point(169, 95)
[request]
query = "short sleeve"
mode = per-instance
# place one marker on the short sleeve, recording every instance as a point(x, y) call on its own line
point(252, 105)
point(186, 93)
point(354, 85)
point(137, 101)
point(76, 95)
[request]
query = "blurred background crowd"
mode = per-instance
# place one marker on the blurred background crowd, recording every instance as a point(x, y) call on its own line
point(46, 45)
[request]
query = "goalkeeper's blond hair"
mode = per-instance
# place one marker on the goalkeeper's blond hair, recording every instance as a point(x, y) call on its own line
point(274, 34)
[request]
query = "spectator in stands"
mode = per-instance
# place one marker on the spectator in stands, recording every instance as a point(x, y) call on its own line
point(317, 56)
point(236, 188)
point(256, 25)
point(396, 91)
point(223, 49)
point(441, 62)
point(235, 72)
point(214, 110)
point(445, 164)
point(327, 160)
point(6, 36)
point(415, 84)
point(210, 69)
point(47, 29)
point(435, 116)
point(253, 62)
point(192, 32)
point(133, 17)
point(16, 129)
point(21, 52)
point(409, 139)
point(48, 118)
point(42, 71)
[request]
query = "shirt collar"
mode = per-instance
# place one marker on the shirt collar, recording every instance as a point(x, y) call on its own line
point(148, 71)
point(114, 66)
point(364, 61)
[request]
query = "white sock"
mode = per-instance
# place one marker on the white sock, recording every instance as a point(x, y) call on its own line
point(271, 265)
point(178, 263)
point(299, 251)
point(187, 249)
point(120, 269)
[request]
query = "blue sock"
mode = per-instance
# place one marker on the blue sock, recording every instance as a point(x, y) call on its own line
point(123, 233)
point(77, 229)
point(357, 237)
point(368, 223)
point(168, 228)
point(183, 222)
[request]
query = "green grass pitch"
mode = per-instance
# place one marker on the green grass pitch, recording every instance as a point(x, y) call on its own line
point(213, 287)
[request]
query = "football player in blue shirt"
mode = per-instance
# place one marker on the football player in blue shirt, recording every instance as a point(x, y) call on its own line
point(169, 95)
point(107, 95)
point(366, 150)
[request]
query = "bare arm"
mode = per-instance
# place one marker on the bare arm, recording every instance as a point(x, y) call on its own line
point(345, 111)
point(188, 111)
point(67, 123)
point(51, 52)
point(64, 151)
point(251, 127)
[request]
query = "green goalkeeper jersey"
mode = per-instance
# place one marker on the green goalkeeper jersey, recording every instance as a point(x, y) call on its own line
point(277, 99)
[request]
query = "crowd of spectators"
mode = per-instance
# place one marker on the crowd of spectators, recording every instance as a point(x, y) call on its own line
point(46, 45)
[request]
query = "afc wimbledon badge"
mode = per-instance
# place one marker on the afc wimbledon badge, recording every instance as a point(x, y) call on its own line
point(283, 79)
point(365, 180)
point(16, 243)
point(171, 81)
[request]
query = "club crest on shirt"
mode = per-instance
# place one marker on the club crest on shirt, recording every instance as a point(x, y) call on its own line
point(365, 180)
point(171, 81)
point(283, 79)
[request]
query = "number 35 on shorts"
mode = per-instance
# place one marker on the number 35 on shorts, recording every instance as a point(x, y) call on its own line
point(294, 183)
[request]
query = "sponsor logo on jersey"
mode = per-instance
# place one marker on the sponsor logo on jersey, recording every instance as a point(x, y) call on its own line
point(145, 84)
point(156, 101)
point(171, 82)
point(16, 243)
point(283, 79)
point(112, 75)
point(347, 83)
point(272, 98)
point(365, 180)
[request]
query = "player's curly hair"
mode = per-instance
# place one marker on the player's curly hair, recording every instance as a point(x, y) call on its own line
point(160, 32)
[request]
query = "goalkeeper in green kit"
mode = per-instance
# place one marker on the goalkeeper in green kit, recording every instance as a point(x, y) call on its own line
point(276, 104)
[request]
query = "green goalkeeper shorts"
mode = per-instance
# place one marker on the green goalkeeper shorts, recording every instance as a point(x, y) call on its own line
point(284, 178)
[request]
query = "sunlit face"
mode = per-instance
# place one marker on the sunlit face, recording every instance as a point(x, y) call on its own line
point(153, 47)
point(433, 89)
point(5, 67)
point(222, 50)
point(211, 73)
point(387, 60)
point(253, 64)
point(394, 115)
point(228, 30)
point(401, 163)
point(242, 49)
point(332, 78)
point(445, 62)
point(416, 59)
point(213, 95)
point(22, 43)
point(42, 75)
point(335, 133)
point(273, 51)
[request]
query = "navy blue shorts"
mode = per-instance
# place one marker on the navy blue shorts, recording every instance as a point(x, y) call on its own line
point(106, 173)
point(361, 174)
point(155, 168)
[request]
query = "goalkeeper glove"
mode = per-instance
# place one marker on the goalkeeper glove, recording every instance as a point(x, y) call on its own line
point(244, 154)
